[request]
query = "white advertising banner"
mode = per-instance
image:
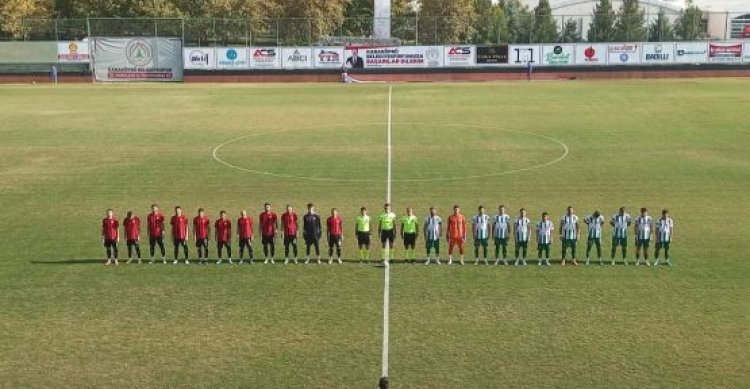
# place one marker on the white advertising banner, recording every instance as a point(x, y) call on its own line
point(558, 55)
point(658, 53)
point(203, 58)
point(231, 58)
point(690, 52)
point(73, 51)
point(137, 59)
point(624, 53)
point(328, 57)
point(591, 54)
point(402, 57)
point(725, 52)
point(265, 58)
point(459, 56)
point(521, 55)
point(747, 52)
point(296, 58)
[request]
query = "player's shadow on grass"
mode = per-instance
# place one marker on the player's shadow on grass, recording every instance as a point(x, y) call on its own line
point(76, 261)
point(84, 261)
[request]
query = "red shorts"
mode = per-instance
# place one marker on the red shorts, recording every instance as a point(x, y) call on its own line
point(456, 242)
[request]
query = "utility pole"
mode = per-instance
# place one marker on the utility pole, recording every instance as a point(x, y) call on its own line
point(381, 25)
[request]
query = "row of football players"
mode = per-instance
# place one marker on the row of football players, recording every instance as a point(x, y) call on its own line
point(498, 228)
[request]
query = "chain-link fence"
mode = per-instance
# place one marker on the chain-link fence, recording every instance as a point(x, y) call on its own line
point(412, 30)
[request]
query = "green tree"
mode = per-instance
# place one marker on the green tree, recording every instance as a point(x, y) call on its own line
point(571, 33)
point(631, 22)
point(13, 13)
point(228, 22)
point(545, 26)
point(446, 21)
point(602, 24)
point(490, 25)
point(660, 29)
point(520, 21)
point(303, 22)
point(690, 25)
point(403, 20)
point(96, 8)
point(358, 18)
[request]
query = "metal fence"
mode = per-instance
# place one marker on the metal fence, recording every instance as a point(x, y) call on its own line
point(412, 30)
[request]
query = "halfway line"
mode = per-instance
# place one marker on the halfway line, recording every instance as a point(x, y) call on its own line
point(387, 278)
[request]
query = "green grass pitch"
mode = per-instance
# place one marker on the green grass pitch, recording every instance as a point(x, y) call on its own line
point(70, 152)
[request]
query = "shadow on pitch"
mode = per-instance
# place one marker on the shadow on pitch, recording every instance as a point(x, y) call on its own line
point(77, 261)
point(85, 261)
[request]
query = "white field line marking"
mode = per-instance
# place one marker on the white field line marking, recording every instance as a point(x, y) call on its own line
point(565, 154)
point(390, 147)
point(387, 269)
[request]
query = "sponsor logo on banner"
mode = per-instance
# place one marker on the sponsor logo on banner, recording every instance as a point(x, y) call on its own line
point(434, 57)
point(297, 58)
point(264, 57)
point(691, 52)
point(73, 52)
point(522, 55)
point(138, 52)
point(138, 59)
point(404, 57)
point(232, 58)
point(624, 53)
point(588, 54)
point(492, 55)
point(558, 55)
point(658, 52)
point(328, 57)
point(725, 52)
point(460, 56)
point(199, 58)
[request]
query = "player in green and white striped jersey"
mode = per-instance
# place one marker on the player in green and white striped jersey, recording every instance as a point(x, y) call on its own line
point(594, 222)
point(643, 226)
point(433, 230)
point(409, 228)
point(521, 229)
point(620, 223)
point(362, 231)
point(664, 235)
point(480, 224)
point(569, 235)
point(501, 232)
point(544, 231)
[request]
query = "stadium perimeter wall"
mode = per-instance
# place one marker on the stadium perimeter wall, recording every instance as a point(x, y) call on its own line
point(424, 75)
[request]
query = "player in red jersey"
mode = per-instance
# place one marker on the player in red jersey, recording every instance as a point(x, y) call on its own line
point(223, 228)
point(111, 236)
point(155, 221)
point(179, 224)
point(335, 235)
point(245, 235)
point(269, 222)
point(289, 226)
point(201, 232)
point(132, 225)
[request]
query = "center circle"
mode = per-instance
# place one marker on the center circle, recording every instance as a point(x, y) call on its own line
point(421, 152)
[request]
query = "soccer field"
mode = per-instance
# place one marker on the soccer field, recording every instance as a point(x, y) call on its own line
point(71, 152)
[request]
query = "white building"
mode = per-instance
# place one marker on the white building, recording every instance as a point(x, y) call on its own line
point(726, 18)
